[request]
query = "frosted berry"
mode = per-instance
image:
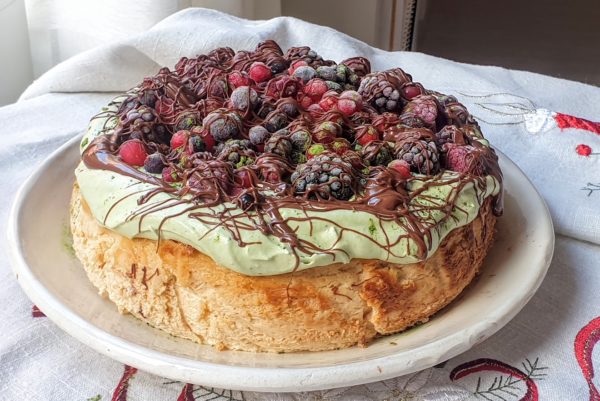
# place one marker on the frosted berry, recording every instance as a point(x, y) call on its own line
point(349, 102)
point(154, 163)
point(238, 78)
point(237, 152)
point(243, 98)
point(382, 89)
point(260, 72)
point(327, 73)
point(377, 153)
point(196, 144)
point(329, 100)
point(315, 88)
point(334, 86)
point(258, 135)
point(279, 144)
point(401, 167)
point(133, 152)
point(295, 65)
point(305, 73)
point(324, 177)
point(326, 132)
point(464, 159)
point(179, 139)
point(366, 134)
point(223, 125)
point(301, 140)
point(276, 121)
point(425, 107)
point(315, 150)
point(421, 154)
point(169, 174)
point(450, 134)
point(340, 146)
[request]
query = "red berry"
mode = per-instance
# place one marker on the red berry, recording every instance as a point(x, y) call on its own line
point(329, 100)
point(347, 106)
point(238, 78)
point(315, 88)
point(133, 152)
point(259, 72)
point(340, 146)
point(295, 65)
point(315, 110)
point(583, 150)
point(411, 90)
point(169, 174)
point(179, 139)
point(305, 102)
point(401, 167)
point(366, 134)
point(243, 178)
point(208, 139)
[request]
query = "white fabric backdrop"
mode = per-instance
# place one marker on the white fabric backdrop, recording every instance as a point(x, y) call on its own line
point(39, 362)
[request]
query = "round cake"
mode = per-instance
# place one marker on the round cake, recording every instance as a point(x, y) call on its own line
point(276, 201)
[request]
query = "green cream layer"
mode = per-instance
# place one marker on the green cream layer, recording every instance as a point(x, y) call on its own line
point(113, 200)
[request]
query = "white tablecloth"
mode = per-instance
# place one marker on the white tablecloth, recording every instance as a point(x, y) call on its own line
point(546, 353)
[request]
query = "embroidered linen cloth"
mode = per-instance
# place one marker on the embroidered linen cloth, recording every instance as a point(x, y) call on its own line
point(544, 124)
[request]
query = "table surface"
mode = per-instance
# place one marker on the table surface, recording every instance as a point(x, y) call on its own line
point(546, 353)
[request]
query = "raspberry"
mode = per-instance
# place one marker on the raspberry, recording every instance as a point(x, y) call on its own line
point(133, 152)
point(401, 167)
point(421, 154)
point(260, 72)
point(243, 98)
point(349, 102)
point(243, 178)
point(154, 163)
point(315, 150)
point(340, 146)
point(304, 73)
point(238, 78)
point(464, 159)
point(169, 174)
point(366, 134)
point(315, 88)
point(377, 153)
point(223, 124)
point(324, 177)
point(412, 90)
point(329, 100)
point(279, 144)
point(315, 111)
point(326, 132)
point(305, 102)
point(258, 135)
point(179, 139)
point(425, 107)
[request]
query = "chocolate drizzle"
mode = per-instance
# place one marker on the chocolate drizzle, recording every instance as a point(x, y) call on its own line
point(250, 197)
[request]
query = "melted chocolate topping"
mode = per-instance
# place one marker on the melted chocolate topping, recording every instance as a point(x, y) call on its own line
point(240, 197)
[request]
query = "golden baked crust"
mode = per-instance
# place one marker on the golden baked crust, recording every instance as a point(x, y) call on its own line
point(183, 292)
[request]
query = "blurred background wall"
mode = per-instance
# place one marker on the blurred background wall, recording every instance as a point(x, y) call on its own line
point(549, 36)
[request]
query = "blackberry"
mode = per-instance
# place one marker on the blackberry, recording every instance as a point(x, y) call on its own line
point(276, 121)
point(383, 89)
point(279, 144)
point(197, 144)
point(290, 108)
point(305, 73)
point(307, 55)
point(154, 163)
point(327, 73)
point(450, 134)
point(377, 153)
point(421, 154)
point(237, 152)
point(324, 177)
point(301, 140)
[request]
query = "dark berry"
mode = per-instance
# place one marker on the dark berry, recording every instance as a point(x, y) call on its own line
point(196, 144)
point(276, 121)
point(258, 135)
point(324, 177)
point(327, 73)
point(246, 201)
point(243, 98)
point(301, 140)
point(279, 144)
point(223, 125)
point(421, 154)
point(154, 163)
point(305, 73)
point(377, 153)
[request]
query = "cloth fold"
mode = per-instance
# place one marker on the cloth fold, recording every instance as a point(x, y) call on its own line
point(548, 340)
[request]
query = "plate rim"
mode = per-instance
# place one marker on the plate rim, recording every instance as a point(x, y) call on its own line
point(262, 379)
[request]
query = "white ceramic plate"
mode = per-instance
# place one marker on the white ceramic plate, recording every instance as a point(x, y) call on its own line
point(57, 284)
